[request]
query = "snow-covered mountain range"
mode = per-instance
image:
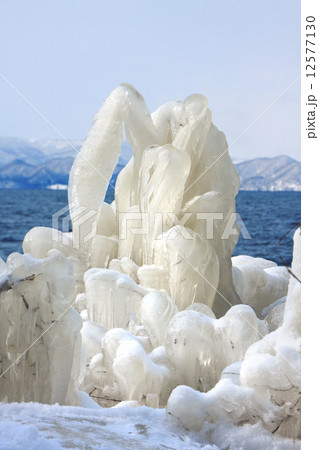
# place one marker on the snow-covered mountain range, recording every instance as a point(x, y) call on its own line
point(42, 163)
point(281, 173)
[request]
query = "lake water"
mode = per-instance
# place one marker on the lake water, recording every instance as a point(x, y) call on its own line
point(268, 216)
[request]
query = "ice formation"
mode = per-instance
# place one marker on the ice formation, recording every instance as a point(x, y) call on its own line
point(168, 317)
point(259, 282)
point(264, 386)
point(40, 341)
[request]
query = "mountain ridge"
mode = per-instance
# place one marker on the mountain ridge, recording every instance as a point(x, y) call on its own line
point(280, 173)
point(38, 164)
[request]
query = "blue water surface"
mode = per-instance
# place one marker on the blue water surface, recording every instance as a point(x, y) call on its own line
point(268, 216)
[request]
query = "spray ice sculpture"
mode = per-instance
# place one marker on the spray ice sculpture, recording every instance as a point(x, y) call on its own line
point(152, 276)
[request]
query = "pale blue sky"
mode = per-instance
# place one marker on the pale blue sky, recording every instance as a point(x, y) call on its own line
point(67, 56)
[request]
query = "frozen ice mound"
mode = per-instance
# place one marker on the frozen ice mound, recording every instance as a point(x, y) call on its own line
point(40, 341)
point(265, 387)
point(259, 282)
point(142, 302)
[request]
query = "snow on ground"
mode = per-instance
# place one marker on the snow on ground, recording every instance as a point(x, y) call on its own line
point(40, 427)
point(45, 427)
